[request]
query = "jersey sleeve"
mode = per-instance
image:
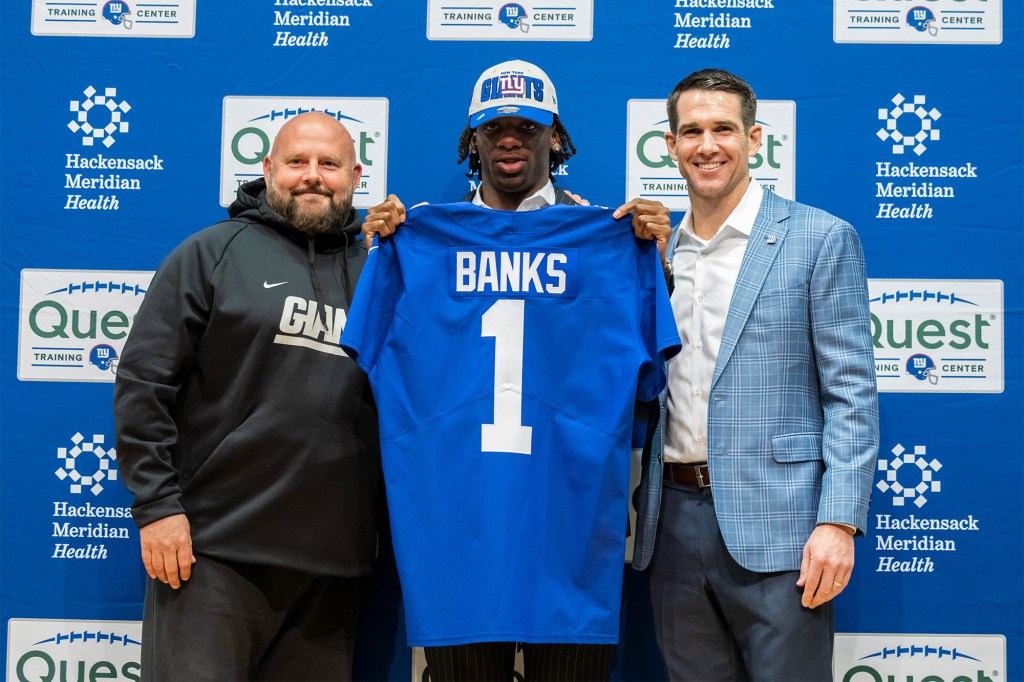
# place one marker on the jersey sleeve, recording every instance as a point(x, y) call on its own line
point(660, 336)
point(373, 307)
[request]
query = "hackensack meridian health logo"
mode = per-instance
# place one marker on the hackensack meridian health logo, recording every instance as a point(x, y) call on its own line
point(909, 129)
point(97, 459)
point(82, 524)
point(96, 130)
point(923, 126)
point(909, 476)
point(505, 21)
point(97, 176)
point(907, 537)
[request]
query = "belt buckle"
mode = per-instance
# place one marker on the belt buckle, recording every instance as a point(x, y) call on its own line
point(698, 471)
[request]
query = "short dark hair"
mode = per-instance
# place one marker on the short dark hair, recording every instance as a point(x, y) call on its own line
point(714, 79)
point(565, 151)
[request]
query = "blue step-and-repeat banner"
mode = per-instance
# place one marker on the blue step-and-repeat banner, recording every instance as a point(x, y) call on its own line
point(126, 126)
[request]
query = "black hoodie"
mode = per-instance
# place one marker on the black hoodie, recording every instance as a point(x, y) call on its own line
point(235, 405)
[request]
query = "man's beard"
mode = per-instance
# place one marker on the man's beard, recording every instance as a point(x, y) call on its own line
point(310, 220)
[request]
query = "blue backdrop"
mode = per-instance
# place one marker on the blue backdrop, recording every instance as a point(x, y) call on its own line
point(126, 126)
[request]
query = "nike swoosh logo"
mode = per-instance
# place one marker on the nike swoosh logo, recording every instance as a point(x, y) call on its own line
point(267, 285)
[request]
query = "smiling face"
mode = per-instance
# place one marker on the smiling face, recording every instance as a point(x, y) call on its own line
point(311, 173)
point(515, 159)
point(711, 147)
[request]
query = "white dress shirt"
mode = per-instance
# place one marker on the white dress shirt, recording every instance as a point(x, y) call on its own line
point(545, 196)
point(705, 275)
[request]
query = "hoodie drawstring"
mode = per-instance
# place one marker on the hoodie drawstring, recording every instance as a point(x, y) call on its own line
point(346, 284)
point(320, 315)
point(315, 279)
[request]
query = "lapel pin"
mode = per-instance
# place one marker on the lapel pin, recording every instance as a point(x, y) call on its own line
point(771, 239)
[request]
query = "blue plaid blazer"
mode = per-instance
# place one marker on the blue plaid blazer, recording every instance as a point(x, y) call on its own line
point(793, 413)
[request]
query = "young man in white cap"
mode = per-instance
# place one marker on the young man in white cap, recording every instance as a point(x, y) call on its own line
point(514, 141)
point(513, 125)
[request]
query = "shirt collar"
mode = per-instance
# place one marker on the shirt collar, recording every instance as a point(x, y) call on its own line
point(742, 217)
point(543, 197)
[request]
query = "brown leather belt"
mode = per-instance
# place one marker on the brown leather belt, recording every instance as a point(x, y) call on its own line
point(688, 474)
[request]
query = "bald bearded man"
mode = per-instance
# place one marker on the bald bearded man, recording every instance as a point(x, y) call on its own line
point(247, 438)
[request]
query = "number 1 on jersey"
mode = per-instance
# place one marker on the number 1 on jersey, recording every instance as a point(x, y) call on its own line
point(504, 321)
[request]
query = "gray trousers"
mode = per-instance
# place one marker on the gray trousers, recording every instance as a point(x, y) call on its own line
point(716, 620)
point(234, 621)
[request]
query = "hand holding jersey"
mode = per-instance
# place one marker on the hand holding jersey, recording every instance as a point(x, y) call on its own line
point(651, 220)
point(383, 219)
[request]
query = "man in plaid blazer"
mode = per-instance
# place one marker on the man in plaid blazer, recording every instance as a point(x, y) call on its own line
point(761, 469)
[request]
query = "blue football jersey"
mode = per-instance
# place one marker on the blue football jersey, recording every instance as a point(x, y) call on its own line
point(505, 351)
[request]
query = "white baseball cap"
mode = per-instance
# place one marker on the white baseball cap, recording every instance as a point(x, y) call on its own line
point(513, 88)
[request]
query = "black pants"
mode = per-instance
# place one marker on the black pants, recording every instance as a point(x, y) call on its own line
point(235, 621)
point(495, 662)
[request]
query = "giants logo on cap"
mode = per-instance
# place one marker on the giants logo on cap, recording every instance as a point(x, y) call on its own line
point(512, 86)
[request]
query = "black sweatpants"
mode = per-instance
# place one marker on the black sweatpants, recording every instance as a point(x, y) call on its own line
point(234, 621)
